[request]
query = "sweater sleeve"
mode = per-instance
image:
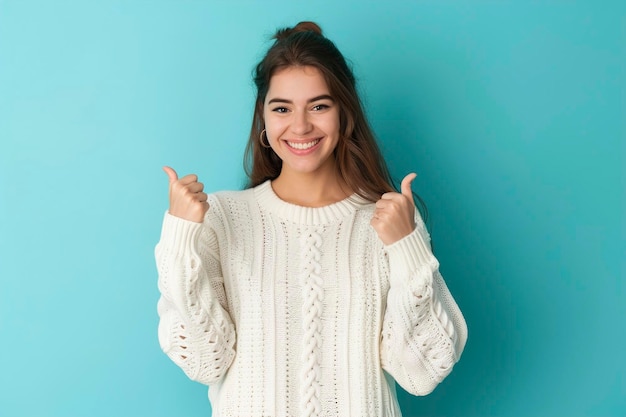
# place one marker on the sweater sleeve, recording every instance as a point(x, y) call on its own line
point(195, 328)
point(424, 332)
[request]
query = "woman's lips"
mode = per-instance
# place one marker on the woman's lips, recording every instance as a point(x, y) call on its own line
point(303, 146)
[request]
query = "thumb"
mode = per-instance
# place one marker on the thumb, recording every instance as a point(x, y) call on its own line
point(171, 174)
point(405, 187)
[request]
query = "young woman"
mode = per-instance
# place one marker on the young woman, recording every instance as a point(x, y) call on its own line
point(310, 292)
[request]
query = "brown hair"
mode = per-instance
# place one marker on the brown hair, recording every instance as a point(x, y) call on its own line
point(358, 158)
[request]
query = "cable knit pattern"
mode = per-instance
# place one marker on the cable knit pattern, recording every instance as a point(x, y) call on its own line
point(312, 296)
point(201, 339)
point(418, 317)
point(293, 311)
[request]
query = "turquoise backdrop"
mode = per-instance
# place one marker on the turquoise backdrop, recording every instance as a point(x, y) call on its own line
point(512, 113)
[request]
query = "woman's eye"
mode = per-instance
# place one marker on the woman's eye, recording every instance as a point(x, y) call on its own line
point(319, 107)
point(281, 110)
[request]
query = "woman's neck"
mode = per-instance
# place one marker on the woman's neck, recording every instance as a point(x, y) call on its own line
point(310, 189)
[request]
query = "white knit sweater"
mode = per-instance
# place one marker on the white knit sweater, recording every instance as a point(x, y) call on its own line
point(294, 311)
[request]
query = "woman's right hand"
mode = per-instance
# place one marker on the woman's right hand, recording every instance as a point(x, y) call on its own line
point(187, 199)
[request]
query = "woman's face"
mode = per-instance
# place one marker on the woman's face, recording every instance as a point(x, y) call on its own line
point(301, 120)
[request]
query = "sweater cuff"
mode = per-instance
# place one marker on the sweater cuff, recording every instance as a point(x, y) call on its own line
point(179, 235)
point(411, 257)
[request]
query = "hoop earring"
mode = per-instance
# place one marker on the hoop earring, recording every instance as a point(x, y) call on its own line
point(263, 142)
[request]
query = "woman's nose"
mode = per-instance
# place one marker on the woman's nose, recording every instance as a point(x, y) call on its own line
point(301, 123)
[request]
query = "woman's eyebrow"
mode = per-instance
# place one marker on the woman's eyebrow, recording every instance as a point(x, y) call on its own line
point(284, 100)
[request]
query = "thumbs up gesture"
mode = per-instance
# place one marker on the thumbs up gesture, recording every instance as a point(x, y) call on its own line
point(393, 218)
point(187, 199)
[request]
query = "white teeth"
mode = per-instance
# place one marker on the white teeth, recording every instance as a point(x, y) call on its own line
point(302, 146)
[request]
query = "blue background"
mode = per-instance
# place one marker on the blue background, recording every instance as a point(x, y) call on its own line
point(512, 113)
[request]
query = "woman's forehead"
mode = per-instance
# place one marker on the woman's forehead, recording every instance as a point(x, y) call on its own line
point(297, 83)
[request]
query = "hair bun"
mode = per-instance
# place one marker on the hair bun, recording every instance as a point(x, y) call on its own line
point(305, 26)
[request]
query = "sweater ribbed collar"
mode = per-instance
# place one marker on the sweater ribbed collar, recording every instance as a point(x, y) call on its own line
point(310, 216)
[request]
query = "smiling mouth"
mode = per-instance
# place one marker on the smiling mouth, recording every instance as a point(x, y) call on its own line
point(303, 145)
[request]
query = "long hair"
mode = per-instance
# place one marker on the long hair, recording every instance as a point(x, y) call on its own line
point(358, 158)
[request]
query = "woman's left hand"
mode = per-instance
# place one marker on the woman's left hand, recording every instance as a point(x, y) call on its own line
point(394, 215)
